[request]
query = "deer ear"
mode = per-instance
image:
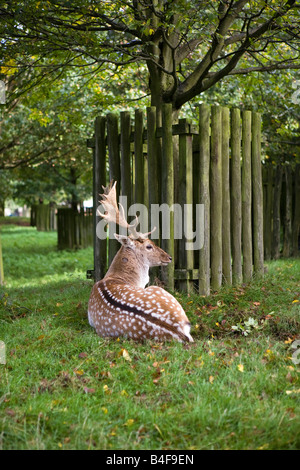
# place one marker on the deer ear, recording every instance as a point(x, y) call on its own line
point(124, 240)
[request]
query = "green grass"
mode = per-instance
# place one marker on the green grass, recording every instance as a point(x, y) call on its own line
point(63, 387)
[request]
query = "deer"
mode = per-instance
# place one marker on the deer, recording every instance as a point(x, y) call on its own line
point(120, 304)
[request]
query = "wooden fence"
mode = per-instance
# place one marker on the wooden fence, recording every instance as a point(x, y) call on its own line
point(216, 163)
point(43, 217)
point(74, 229)
point(281, 185)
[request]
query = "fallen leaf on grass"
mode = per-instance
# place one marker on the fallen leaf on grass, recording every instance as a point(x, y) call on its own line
point(82, 355)
point(125, 354)
point(89, 390)
point(241, 367)
point(129, 422)
point(290, 392)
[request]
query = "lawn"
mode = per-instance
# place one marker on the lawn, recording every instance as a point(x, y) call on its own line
point(63, 387)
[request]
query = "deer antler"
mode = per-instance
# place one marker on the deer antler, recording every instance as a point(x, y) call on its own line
point(113, 214)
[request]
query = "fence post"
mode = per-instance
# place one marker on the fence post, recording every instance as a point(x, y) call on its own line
point(99, 180)
point(138, 157)
point(185, 197)
point(114, 172)
point(258, 243)
point(168, 188)
point(153, 186)
point(216, 198)
point(246, 197)
point(204, 162)
point(276, 212)
point(152, 159)
point(125, 183)
point(226, 238)
point(139, 187)
point(268, 208)
point(236, 205)
point(287, 240)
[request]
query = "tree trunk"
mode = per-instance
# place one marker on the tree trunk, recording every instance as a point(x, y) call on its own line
point(268, 212)
point(276, 212)
point(2, 206)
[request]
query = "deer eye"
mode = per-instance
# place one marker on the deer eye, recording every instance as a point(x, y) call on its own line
point(149, 247)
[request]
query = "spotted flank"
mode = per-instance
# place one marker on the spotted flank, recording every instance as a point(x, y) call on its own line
point(122, 310)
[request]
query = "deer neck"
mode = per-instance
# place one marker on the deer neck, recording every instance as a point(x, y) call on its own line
point(127, 268)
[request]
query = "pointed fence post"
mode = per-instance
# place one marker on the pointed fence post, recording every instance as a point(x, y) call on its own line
point(168, 188)
point(226, 238)
point(258, 236)
point(204, 162)
point(99, 180)
point(236, 199)
point(216, 198)
point(114, 172)
point(246, 197)
point(185, 199)
point(125, 183)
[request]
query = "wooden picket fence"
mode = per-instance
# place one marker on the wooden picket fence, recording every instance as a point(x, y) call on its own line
point(74, 228)
point(216, 162)
point(43, 217)
point(281, 185)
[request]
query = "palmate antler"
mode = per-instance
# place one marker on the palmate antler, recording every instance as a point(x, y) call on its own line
point(113, 214)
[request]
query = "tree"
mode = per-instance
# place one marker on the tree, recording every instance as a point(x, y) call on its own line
point(187, 45)
point(43, 150)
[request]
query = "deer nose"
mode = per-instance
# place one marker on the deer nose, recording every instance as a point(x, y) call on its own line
point(170, 258)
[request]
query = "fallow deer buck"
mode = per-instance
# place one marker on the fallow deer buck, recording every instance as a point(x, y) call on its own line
point(120, 305)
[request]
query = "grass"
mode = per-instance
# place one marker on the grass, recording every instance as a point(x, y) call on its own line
point(63, 387)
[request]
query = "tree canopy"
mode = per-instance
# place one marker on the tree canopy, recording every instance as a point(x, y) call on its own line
point(66, 62)
point(187, 45)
